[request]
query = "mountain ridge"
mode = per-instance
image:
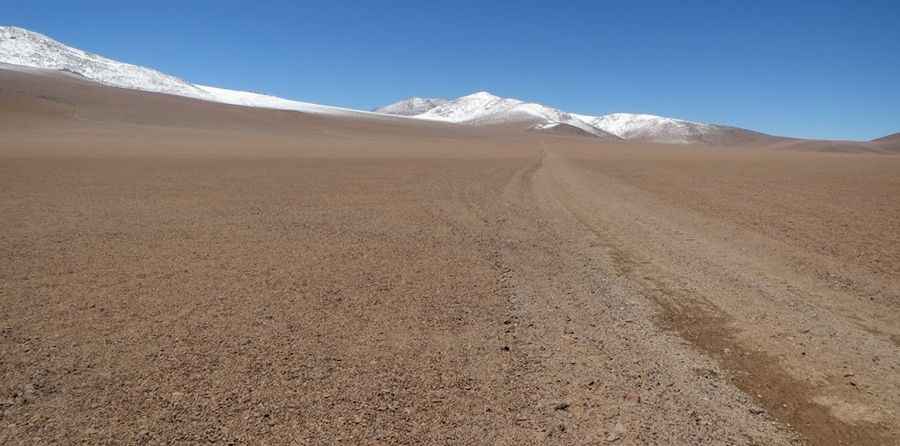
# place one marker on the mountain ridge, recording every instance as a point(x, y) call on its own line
point(893, 137)
point(25, 48)
point(482, 108)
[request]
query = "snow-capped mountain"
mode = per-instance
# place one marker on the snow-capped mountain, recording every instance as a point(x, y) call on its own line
point(411, 106)
point(480, 107)
point(484, 108)
point(26, 48)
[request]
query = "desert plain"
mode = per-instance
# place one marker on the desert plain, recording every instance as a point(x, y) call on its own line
point(180, 272)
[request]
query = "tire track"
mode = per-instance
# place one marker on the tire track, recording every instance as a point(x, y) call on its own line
point(691, 306)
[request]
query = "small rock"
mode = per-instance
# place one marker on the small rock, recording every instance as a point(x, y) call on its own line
point(756, 411)
point(616, 434)
point(562, 405)
point(29, 394)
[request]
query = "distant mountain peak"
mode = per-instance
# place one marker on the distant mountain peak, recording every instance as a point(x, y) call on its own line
point(480, 95)
point(14, 32)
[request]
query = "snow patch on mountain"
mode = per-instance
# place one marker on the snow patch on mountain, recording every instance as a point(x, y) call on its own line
point(248, 99)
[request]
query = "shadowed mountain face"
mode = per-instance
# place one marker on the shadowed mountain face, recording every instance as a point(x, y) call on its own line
point(895, 137)
point(562, 129)
point(890, 142)
point(411, 106)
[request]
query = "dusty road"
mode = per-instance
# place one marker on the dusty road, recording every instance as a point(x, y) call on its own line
point(286, 279)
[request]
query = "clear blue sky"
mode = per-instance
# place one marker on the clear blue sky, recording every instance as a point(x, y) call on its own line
point(799, 68)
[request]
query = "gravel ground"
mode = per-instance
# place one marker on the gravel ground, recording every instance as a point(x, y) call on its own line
point(173, 272)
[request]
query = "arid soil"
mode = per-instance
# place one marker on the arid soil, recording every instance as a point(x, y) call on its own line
point(175, 272)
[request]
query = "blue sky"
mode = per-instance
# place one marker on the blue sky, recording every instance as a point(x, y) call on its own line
point(828, 69)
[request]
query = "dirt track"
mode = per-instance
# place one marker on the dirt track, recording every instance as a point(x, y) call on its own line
point(295, 280)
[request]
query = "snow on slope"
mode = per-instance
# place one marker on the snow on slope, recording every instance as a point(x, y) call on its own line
point(30, 49)
point(411, 106)
point(248, 99)
point(22, 47)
